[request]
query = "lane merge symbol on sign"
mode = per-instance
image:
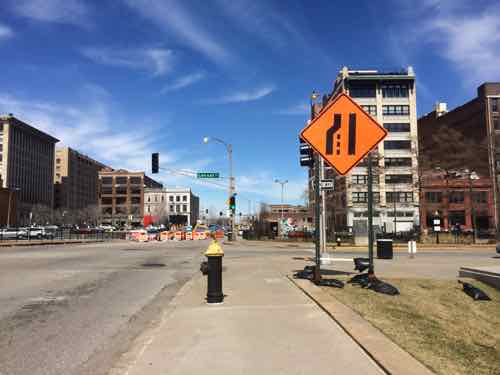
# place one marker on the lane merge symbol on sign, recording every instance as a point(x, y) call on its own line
point(343, 133)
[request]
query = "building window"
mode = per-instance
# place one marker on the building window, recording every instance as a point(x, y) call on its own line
point(178, 198)
point(480, 196)
point(398, 162)
point(496, 123)
point(399, 196)
point(107, 200)
point(178, 208)
point(162, 198)
point(122, 190)
point(456, 217)
point(362, 197)
point(106, 190)
point(171, 208)
point(149, 199)
point(171, 198)
point(359, 197)
point(395, 91)
point(135, 180)
point(397, 145)
point(398, 179)
point(359, 179)
point(135, 200)
point(121, 180)
point(184, 198)
point(400, 214)
point(396, 110)
point(456, 197)
point(149, 209)
point(156, 198)
point(362, 91)
point(494, 105)
point(397, 127)
point(184, 208)
point(107, 180)
point(433, 196)
point(58, 161)
point(121, 200)
point(370, 109)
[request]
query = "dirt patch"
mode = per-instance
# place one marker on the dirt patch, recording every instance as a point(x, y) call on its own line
point(435, 321)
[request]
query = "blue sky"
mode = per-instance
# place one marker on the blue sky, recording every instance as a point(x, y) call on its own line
point(123, 78)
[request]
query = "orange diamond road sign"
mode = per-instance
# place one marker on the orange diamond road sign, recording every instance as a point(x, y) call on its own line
point(343, 133)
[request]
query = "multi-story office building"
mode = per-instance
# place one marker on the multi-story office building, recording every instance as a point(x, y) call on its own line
point(121, 199)
point(76, 180)
point(26, 164)
point(390, 97)
point(177, 206)
point(477, 124)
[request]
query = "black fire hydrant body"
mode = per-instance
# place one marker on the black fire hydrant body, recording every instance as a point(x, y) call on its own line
point(213, 270)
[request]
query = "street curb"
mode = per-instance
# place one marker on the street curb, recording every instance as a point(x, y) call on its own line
point(49, 243)
point(390, 357)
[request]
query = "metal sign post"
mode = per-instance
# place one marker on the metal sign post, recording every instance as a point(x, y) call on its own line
point(371, 270)
point(317, 197)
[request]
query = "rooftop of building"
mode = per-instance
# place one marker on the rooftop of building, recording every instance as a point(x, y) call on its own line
point(84, 156)
point(27, 128)
point(360, 74)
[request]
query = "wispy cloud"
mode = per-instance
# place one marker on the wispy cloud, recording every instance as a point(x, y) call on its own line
point(73, 12)
point(173, 16)
point(242, 96)
point(92, 127)
point(465, 34)
point(5, 32)
point(298, 109)
point(262, 185)
point(158, 61)
point(183, 82)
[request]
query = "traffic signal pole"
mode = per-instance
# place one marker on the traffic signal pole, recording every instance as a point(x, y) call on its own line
point(231, 190)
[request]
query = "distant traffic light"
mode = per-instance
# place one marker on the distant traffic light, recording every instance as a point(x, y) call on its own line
point(232, 203)
point(306, 154)
point(155, 162)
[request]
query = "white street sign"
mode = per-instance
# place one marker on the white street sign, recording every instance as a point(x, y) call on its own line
point(437, 221)
point(437, 228)
point(326, 184)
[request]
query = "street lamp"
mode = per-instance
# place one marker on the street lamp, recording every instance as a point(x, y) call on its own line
point(472, 176)
point(282, 183)
point(232, 187)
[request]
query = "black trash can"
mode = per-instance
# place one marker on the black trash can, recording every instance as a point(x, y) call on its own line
point(384, 249)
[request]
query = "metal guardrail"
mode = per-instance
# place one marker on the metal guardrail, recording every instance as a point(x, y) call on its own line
point(59, 235)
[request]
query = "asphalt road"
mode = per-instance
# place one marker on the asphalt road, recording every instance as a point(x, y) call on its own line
point(75, 309)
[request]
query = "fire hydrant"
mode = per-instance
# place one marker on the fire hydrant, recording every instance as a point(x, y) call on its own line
point(213, 269)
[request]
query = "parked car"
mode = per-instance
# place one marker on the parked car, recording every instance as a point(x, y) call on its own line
point(40, 232)
point(13, 233)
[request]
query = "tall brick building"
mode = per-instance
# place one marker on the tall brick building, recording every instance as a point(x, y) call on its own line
point(76, 180)
point(477, 123)
point(26, 164)
point(121, 196)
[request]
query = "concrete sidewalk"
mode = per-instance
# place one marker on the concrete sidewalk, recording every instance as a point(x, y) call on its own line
point(266, 325)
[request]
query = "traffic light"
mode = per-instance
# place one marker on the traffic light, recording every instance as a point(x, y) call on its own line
point(306, 154)
point(155, 162)
point(232, 203)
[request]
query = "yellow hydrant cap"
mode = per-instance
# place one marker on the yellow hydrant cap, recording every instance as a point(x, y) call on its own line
point(214, 249)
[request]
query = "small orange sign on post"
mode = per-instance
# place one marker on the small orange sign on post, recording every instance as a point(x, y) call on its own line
point(343, 133)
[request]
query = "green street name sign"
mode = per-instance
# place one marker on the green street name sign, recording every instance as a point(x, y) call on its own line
point(207, 175)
